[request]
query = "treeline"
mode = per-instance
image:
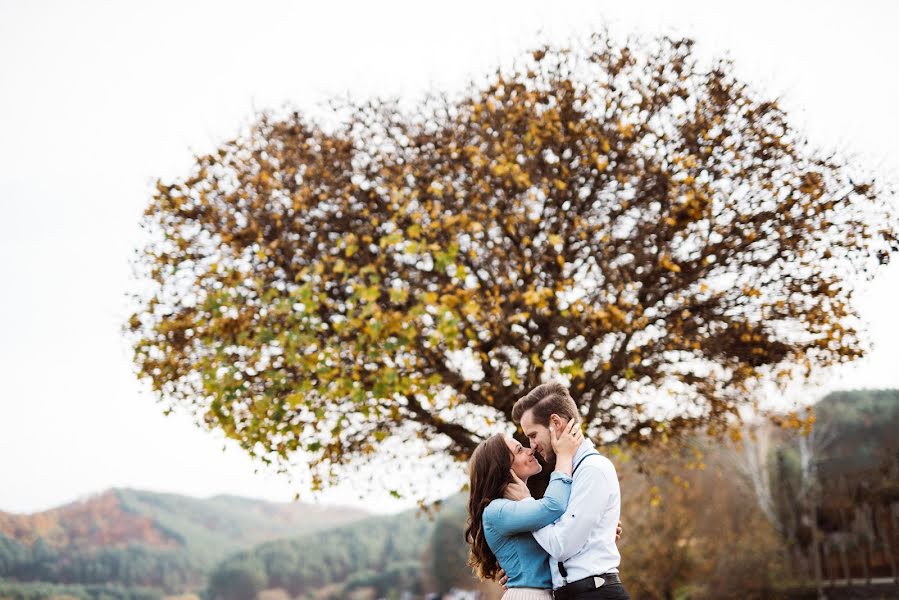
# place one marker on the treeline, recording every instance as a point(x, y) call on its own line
point(132, 566)
point(384, 553)
point(781, 509)
point(11, 590)
point(136, 538)
point(834, 493)
point(211, 529)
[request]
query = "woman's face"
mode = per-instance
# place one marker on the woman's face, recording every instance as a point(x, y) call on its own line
point(523, 462)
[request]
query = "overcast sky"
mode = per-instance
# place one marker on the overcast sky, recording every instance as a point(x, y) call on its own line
point(97, 99)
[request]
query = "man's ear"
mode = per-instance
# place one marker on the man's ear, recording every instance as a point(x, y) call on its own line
point(555, 421)
point(559, 422)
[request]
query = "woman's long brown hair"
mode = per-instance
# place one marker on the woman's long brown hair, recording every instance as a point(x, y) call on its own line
point(488, 470)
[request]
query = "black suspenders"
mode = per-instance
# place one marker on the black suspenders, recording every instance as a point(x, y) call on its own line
point(562, 571)
point(583, 458)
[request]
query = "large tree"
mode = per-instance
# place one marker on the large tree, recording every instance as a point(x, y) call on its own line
point(619, 215)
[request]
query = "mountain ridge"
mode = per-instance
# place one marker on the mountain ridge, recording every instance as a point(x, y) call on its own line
point(137, 537)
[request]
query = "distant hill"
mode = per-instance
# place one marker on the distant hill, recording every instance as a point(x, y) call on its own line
point(135, 537)
point(385, 552)
point(860, 428)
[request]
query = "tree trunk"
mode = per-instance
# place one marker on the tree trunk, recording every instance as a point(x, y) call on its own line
point(830, 572)
point(844, 562)
point(816, 555)
point(889, 532)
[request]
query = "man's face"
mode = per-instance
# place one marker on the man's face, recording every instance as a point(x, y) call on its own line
point(538, 436)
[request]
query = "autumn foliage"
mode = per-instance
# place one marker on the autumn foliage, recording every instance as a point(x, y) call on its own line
point(646, 227)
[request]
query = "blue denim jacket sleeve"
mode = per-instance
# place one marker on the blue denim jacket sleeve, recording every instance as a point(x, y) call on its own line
point(509, 517)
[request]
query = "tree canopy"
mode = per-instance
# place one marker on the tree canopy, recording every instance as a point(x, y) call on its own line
point(621, 215)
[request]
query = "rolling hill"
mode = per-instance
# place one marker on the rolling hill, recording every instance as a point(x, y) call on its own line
point(140, 538)
point(386, 553)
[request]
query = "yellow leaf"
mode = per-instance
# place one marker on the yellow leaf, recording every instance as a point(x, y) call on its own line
point(531, 297)
point(370, 293)
point(470, 308)
point(398, 295)
point(667, 263)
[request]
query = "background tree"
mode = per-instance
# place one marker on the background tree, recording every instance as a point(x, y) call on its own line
point(449, 557)
point(616, 214)
point(237, 580)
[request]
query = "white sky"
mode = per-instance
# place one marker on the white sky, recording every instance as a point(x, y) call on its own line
point(97, 99)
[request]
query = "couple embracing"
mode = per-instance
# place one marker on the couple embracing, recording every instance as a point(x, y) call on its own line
point(561, 546)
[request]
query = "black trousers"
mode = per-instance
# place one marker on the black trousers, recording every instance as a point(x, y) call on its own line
point(614, 591)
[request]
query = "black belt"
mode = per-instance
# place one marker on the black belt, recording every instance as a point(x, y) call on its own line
point(585, 585)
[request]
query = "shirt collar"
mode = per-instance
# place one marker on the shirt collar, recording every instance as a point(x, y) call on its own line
point(585, 447)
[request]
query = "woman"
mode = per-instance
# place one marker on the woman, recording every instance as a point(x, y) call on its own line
point(499, 529)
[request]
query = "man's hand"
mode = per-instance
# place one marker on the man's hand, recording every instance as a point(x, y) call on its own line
point(618, 532)
point(503, 578)
point(517, 490)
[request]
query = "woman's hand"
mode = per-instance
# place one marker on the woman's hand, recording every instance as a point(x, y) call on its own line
point(502, 578)
point(568, 441)
point(517, 490)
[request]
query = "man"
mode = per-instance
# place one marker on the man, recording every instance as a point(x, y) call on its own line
point(581, 543)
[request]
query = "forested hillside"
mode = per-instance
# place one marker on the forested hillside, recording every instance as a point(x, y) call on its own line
point(138, 538)
point(387, 553)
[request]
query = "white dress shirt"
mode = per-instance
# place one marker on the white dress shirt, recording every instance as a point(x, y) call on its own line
point(584, 537)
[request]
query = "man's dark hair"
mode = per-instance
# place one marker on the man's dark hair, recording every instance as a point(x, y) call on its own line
point(545, 400)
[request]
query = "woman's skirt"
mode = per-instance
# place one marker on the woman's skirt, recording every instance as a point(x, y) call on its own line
point(527, 594)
